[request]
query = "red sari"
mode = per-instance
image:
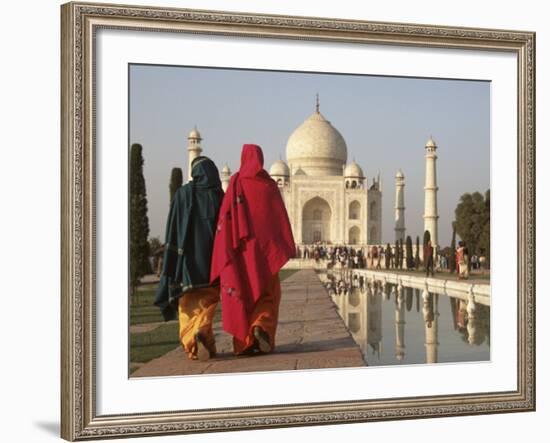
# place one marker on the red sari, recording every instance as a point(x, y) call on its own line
point(253, 242)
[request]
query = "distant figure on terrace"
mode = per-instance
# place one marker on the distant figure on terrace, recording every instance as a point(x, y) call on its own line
point(429, 258)
point(462, 261)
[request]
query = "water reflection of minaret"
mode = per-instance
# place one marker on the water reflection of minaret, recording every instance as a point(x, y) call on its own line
point(359, 304)
point(373, 329)
point(361, 311)
point(400, 323)
point(431, 313)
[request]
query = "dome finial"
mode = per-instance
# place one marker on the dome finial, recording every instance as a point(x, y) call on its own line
point(317, 103)
point(195, 134)
point(431, 143)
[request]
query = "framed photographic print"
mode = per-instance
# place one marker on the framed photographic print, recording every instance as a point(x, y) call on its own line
point(282, 221)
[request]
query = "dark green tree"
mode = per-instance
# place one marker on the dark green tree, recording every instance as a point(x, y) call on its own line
point(409, 253)
point(139, 222)
point(472, 216)
point(176, 180)
point(485, 237)
point(417, 253)
point(452, 254)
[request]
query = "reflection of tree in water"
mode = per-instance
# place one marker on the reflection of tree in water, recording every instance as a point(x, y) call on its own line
point(387, 291)
point(474, 326)
point(409, 298)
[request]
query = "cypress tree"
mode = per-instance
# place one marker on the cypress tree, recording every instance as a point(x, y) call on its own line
point(176, 180)
point(409, 252)
point(452, 256)
point(139, 222)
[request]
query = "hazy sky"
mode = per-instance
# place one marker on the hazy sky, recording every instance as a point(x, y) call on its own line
point(385, 122)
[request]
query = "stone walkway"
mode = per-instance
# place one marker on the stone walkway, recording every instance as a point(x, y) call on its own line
point(145, 327)
point(310, 335)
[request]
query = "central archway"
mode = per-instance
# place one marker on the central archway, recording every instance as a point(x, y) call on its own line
point(316, 219)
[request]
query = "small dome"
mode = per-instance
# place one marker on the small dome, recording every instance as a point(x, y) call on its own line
point(353, 170)
point(279, 168)
point(399, 174)
point(195, 133)
point(431, 143)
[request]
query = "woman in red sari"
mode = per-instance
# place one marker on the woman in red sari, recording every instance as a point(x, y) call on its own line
point(253, 242)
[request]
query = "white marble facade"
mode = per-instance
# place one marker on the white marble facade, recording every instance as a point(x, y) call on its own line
point(326, 200)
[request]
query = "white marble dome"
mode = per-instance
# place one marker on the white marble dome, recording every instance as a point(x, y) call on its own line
point(279, 168)
point(317, 147)
point(353, 170)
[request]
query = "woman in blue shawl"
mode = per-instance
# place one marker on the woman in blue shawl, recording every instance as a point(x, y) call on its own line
point(185, 279)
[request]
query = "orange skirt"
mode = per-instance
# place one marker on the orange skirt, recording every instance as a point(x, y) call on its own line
point(265, 315)
point(196, 312)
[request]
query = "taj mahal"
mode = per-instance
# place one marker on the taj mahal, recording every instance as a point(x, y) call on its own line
point(329, 200)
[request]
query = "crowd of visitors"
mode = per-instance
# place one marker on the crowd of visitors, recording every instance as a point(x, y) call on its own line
point(370, 257)
point(346, 256)
point(393, 257)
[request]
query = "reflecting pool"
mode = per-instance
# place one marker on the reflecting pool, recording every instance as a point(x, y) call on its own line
point(396, 324)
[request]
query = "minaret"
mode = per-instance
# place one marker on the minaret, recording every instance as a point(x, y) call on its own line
point(225, 176)
point(193, 148)
point(430, 192)
point(399, 206)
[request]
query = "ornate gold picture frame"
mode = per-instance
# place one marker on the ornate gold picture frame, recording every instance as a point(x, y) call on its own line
point(80, 23)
